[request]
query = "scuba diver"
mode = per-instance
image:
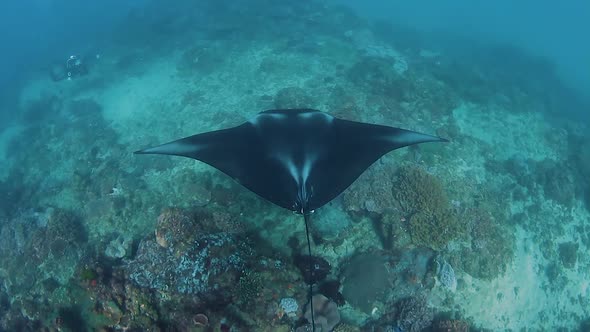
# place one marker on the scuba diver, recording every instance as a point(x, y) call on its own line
point(74, 66)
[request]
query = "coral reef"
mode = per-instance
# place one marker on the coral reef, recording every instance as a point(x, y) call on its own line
point(119, 303)
point(414, 314)
point(553, 178)
point(424, 204)
point(450, 325)
point(211, 263)
point(412, 270)
point(78, 212)
point(249, 287)
point(491, 250)
point(558, 184)
point(175, 229)
point(446, 275)
point(407, 205)
point(289, 306)
point(40, 246)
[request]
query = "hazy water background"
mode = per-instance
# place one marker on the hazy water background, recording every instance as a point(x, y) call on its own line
point(555, 30)
point(35, 31)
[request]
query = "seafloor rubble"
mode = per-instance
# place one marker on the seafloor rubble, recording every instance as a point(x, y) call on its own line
point(478, 234)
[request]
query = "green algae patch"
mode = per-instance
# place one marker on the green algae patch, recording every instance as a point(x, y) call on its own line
point(249, 286)
point(426, 208)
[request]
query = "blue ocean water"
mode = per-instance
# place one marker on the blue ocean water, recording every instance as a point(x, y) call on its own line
point(485, 233)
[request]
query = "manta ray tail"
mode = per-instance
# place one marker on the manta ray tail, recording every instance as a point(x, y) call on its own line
point(306, 217)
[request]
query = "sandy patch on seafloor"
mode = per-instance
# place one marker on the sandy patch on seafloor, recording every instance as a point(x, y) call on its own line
point(520, 299)
point(509, 132)
point(142, 98)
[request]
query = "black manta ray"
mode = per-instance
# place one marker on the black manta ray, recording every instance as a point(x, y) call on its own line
point(298, 159)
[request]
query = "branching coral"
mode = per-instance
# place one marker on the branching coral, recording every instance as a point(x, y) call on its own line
point(414, 314)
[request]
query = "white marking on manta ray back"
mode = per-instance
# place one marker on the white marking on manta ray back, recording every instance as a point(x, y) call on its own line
point(299, 175)
point(275, 116)
point(307, 164)
point(316, 114)
point(292, 169)
point(306, 169)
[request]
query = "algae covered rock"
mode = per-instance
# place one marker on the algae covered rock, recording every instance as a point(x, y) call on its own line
point(446, 275)
point(66, 228)
point(118, 302)
point(212, 262)
point(568, 254)
point(62, 245)
point(365, 281)
point(175, 227)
